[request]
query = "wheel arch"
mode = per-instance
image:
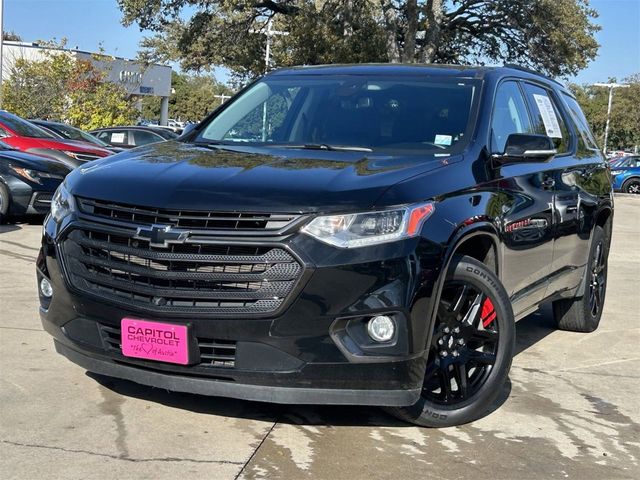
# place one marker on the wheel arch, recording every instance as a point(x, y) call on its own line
point(480, 241)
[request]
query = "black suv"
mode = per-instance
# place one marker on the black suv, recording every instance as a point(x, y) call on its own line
point(362, 234)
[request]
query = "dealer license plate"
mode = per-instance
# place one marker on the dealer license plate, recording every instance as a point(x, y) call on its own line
point(163, 342)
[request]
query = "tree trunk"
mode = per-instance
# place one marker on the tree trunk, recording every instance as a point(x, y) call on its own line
point(409, 53)
point(391, 28)
point(434, 14)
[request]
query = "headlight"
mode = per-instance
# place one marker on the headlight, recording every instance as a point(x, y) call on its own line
point(616, 172)
point(369, 228)
point(34, 176)
point(62, 204)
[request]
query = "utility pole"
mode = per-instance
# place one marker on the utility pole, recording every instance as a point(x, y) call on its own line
point(610, 86)
point(223, 98)
point(269, 32)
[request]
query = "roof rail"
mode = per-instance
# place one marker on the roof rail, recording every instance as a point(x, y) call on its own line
point(533, 72)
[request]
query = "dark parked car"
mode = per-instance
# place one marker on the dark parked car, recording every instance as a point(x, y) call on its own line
point(626, 174)
point(370, 240)
point(27, 137)
point(131, 137)
point(27, 182)
point(62, 130)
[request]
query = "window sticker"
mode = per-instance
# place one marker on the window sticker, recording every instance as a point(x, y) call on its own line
point(443, 140)
point(117, 137)
point(548, 114)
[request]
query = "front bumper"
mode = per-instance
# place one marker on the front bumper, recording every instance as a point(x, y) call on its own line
point(311, 352)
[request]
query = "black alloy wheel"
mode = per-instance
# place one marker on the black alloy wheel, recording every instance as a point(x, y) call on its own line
point(470, 352)
point(582, 313)
point(464, 344)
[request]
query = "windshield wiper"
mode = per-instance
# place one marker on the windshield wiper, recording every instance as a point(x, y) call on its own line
point(323, 146)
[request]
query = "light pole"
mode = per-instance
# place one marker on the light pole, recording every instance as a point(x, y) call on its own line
point(610, 86)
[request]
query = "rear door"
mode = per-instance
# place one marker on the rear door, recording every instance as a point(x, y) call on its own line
point(527, 191)
point(580, 181)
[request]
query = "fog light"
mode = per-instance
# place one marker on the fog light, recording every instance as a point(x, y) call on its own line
point(381, 328)
point(45, 288)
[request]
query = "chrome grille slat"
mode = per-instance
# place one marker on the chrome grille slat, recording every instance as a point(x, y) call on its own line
point(196, 220)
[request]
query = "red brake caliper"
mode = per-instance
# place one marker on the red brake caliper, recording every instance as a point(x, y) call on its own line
point(488, 314)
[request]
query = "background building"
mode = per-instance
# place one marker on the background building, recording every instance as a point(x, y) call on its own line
point(137, 78)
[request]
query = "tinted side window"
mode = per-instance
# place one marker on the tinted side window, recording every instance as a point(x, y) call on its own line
point(509, 115)
point(581, 121)
point(143, 138)
point(547, 119)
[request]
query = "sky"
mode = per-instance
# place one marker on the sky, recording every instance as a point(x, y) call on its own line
point(89, 24)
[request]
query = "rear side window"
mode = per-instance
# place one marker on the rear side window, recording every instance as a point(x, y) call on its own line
point(547, 119)
point(581, 121)
point(144, 138)
point(509, 115)
point(118, 137)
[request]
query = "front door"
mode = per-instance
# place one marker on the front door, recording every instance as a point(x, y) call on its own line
point(527, 191)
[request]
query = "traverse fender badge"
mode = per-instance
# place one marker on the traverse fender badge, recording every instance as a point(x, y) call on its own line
point(161, 236)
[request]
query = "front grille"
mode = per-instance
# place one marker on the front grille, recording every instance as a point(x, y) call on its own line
point(193, 220)
point(213, 352)
point(184, 279)
point(41, 202)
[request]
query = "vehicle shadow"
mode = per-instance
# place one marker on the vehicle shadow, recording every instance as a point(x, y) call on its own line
point(529, 331)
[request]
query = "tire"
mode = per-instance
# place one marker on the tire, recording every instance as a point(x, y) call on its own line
point(477, 332)
point(581, 314)
point(4, 204)
point(632, 186)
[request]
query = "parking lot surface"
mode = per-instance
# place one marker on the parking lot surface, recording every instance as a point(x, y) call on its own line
point(570, 410)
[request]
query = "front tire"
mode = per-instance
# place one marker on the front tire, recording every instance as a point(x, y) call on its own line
point(471, 349)
point(583, 314)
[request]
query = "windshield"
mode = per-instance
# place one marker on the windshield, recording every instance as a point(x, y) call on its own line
point(23, 128)
point(73, 133)
point(373, 112)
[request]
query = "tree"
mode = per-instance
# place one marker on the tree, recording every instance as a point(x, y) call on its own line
point(193, 97)
point(62, 87)
point(553, 36)
point(624, 125)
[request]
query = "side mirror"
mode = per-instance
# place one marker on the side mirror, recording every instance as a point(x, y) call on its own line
point(526, 147)
point(188, 129)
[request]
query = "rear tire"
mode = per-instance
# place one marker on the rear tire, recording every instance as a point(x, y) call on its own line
point(632, 186)
point(472, 348)
point(582, 314)
point(4, 204)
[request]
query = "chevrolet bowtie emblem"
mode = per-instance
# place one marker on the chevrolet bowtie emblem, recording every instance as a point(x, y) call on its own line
point(161, 236)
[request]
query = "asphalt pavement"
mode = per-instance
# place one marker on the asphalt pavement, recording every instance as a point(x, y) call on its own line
point(571, 408)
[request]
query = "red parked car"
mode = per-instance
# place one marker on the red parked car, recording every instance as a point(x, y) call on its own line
point(27, 137)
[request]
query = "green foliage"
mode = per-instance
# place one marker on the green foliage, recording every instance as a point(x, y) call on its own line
point(63, 88)
point(624, 126)
point(193, 97)
point(554, 36)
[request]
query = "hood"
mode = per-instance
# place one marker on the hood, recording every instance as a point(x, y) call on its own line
point(178, 175)
point(34, 162)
